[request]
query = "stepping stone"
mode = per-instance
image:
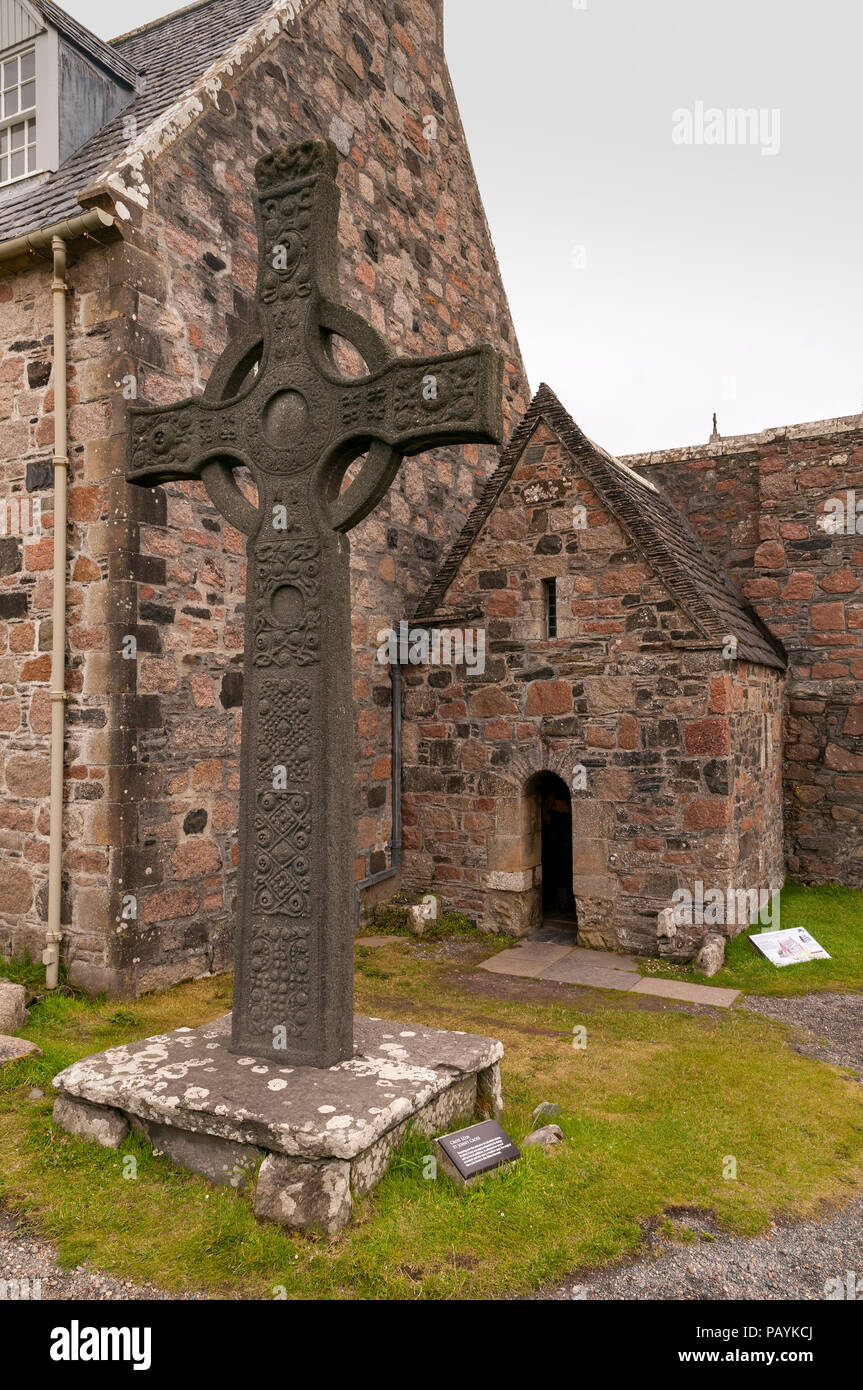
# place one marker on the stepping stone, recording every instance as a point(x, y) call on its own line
point(574, 971)
point(13, 1049)
point(691, 994)
point(528, 960)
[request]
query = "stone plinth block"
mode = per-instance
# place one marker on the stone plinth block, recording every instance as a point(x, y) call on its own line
point(304, 1196)
point(99, 1122)
point(326, 1136)
point(220, 1161)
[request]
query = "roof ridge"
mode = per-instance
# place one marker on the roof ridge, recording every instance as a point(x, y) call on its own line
point(162, 19)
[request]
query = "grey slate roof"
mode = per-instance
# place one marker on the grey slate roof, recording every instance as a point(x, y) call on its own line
point(174, 52)
point(694, 578)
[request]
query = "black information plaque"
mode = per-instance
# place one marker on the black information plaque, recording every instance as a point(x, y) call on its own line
point(478, 1149)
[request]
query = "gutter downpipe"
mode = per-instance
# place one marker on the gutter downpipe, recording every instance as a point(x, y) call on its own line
point(55, 237)
point(54, 934)
point(396, 842)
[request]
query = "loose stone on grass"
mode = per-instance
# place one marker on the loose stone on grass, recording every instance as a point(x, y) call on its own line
point(544, 1138)
point(13, 1007)
point(548, 1110)
point(13, 1049)
point(711, 957)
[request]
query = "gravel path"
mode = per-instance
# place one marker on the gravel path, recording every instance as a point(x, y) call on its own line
point(789, 1262)
point(792, 1260)
point(834, 1021)
point(27, 1257)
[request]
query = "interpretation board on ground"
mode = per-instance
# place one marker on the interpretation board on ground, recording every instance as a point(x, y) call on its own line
point(478, 1149)
point(791, 947)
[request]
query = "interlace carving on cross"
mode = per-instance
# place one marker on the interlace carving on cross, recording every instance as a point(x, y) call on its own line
point(278, 405)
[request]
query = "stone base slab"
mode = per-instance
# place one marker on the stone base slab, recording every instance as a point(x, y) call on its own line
point(325, 1136)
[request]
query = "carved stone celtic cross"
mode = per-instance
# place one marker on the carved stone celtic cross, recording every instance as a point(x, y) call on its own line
point(277, 404)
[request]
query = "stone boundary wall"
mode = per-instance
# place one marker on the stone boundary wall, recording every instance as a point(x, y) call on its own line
point(763, 504)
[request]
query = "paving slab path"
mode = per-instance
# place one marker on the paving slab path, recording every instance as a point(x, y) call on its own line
point(555, 959)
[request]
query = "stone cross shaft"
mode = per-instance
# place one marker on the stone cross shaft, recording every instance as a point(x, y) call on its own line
point(278, 405)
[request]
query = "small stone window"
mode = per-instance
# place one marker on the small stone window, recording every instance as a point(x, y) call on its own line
point(549, 596)
point(17, 124)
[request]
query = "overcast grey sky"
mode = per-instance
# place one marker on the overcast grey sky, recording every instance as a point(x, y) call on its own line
point(654, 281)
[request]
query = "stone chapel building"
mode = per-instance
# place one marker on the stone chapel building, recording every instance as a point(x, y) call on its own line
point(624, 675)
point(126, 186)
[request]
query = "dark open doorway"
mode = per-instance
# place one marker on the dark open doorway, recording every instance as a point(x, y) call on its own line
point(555, 805)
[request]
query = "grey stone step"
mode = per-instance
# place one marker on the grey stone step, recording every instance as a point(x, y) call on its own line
point(528, 960)
point(690, 994)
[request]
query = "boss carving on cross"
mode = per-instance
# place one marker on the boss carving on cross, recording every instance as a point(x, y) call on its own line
point(278, 405)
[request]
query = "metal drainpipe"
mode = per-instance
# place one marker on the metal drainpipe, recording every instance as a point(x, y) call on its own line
point(55, 236)
point(54, 934)
point(396, 841)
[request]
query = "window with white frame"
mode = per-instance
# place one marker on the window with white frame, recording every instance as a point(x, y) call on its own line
point(17, 115)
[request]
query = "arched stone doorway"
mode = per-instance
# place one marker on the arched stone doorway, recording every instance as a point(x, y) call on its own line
point(535, 851)
point(555, 812)
point(550, 811)
point(558, 899)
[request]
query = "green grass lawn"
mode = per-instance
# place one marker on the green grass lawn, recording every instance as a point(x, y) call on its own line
point(651, 1110)
point(833, 915)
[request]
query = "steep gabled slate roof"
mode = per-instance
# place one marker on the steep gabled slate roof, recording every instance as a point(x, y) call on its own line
point(693, 577)
point(173, 52)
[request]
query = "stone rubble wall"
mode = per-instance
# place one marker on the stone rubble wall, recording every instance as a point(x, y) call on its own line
point(759, 502)
point(153, 776)
point(96, 339)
